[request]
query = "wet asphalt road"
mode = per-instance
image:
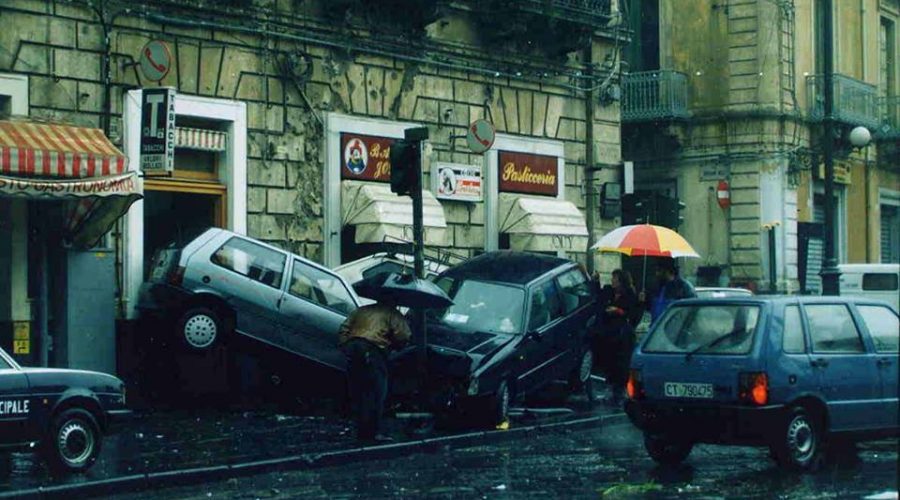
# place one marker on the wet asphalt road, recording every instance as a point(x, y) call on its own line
point(608, 462)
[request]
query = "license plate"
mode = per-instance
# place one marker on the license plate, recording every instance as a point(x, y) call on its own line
point(684, 390)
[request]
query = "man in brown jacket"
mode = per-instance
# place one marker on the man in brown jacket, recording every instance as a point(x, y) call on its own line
point(366, 337)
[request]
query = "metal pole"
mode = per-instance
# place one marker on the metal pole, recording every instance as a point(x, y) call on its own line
point(417, 135)
point(830, 272)
point(773, 271)
point(589, 156)
point(43, 279)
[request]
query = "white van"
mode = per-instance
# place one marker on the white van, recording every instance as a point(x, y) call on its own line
point(873, 281)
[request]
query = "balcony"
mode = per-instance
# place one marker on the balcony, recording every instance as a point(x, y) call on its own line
point(890, 118)
point(591, 12)
point(654, 95)
point(855, 102)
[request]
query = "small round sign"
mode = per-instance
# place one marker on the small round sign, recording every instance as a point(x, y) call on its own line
point(155, 60)
point(480, 136)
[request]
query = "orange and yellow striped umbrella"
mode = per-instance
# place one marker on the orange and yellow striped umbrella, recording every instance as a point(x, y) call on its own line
point(645, 240)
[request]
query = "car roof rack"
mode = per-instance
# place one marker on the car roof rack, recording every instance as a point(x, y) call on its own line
point(442, 256)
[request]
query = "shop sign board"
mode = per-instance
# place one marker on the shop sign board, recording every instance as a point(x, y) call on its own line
point(21, 337)
point(841, 172)
point(158, 131)
point(457, 181)
point(528, 173)
point(366, 157)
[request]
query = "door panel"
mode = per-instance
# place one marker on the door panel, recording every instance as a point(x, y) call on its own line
point(540, 354)
point(884, 331)
point(847, 373)
point(15, 405)
point(251, 277)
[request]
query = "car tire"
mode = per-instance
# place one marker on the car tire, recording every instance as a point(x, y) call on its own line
point(73, 441)
point(799, 441)
point(666, 450)
point(200, 328)
point(580, 378)
point(496, 407)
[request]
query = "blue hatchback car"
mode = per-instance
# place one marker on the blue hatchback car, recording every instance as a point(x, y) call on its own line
point(790, 373)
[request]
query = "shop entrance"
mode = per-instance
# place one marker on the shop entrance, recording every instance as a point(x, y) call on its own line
point(175, 217)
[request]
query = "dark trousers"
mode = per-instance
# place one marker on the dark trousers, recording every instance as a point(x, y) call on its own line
point(367, 374)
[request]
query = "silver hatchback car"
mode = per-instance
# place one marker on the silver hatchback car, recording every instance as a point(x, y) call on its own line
point(222, 284)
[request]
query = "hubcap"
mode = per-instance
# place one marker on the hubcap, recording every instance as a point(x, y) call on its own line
point(200, 331)
point(75, 442)
point(801, 439)
point(587, 363)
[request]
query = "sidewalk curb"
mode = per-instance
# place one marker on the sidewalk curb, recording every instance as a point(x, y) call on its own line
point(183, 477)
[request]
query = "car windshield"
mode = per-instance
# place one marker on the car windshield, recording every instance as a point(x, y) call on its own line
point(480, 306)
point(707, 329)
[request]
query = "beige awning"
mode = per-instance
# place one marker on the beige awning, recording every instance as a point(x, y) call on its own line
point(542, 224)
point(379, 214)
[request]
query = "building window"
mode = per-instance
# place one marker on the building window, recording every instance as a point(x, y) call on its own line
point(5, 106)
point(890, 226)
point(887, 60)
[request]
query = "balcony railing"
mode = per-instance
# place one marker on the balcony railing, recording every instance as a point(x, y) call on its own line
point(855, 102)
point(654, 95)
point(890, 118)
point(594, 12)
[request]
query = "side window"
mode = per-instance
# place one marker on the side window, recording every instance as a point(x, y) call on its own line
point(880, 282)
point(4, 365)
point(574, 290)
point(792, 338)
point(832, 329)
point(884, 327)
point(321, 288)
point(251, 260)
point(545, 305)
point(385, 267)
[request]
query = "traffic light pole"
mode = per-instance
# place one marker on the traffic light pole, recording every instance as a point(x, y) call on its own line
point(831, 275)
point(417, 135)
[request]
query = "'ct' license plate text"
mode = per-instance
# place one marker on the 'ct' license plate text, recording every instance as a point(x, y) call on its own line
point(683, 390)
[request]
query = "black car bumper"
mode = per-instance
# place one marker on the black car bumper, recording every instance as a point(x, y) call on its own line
point(724, 424)
point(118, 420)
point(157, 300)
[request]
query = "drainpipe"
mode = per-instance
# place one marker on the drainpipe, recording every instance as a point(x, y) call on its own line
point(590, 202)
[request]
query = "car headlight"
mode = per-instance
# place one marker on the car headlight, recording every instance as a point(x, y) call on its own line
point(473, 387)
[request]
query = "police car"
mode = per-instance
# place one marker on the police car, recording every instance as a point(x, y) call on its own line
point(64, 412)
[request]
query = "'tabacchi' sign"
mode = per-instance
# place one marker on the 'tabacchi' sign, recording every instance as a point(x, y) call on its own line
point(528, 173)
point(366, 157)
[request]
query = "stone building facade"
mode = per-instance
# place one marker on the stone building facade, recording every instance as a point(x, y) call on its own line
point(281, 85)
point(728, 91)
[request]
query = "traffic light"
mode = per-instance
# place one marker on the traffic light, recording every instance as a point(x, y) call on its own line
point(634, 209)
point(405, 166)
point(669, 211)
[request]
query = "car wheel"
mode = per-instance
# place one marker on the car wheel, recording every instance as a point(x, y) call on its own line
point(797, 446)
point(200, 328)
point(666, 450)
point(73, 441)
point(497, 406)
point(580, 378)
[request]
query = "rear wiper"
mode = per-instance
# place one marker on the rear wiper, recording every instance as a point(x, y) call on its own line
point(714, 342)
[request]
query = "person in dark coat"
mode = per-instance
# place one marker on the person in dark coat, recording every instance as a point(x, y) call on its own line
point(672, 287)
point(621, 315)
point(366, 337)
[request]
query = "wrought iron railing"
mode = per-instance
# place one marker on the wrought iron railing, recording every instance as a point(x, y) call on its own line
point(654, 95)
point(855, 102)
point(591, 12)
point(890, 118)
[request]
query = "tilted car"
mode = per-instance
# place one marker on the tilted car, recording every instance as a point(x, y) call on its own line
point(385, 262)
point(721, 292)
point(223, 284)
point(66, 412)
point(519, 322)
point(790, 373)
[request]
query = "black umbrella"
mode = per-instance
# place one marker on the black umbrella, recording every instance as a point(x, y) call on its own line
point(403, 290)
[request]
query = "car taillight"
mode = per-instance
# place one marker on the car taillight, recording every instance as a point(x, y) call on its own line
point(754, 388)
point(635, 385)
point(177, 276)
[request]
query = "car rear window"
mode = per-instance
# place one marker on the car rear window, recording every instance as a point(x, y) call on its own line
point(883, 326)
point(880, 282)
point(706, 329)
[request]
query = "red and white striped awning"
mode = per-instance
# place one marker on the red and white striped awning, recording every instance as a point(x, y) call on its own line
point(200, 138)
point(53, 150)
point(74, 165)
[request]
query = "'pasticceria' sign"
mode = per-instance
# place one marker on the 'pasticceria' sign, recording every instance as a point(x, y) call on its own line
point(366, 157)
point(528, 173)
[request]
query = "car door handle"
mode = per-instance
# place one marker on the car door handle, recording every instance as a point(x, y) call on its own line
point(819, 363)
point(884, 362)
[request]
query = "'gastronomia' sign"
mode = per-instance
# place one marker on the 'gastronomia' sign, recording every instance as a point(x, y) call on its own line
point(528, 173)
point(366, 157)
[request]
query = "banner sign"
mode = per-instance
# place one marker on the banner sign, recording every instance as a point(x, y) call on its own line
point(841, 172)
point(115, 185)
point(528, 173)
point(366, 157)
point(158, 131)
point(456, 181)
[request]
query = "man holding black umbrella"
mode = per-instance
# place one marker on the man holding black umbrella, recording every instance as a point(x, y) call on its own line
point(366, 337)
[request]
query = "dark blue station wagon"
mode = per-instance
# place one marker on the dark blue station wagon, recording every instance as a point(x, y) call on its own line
point(790, 373)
